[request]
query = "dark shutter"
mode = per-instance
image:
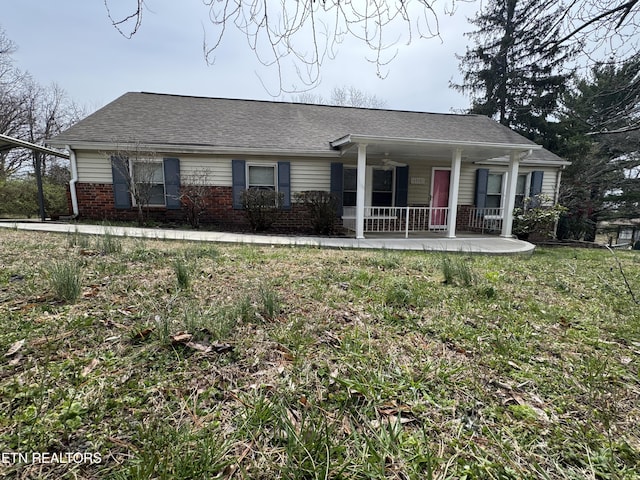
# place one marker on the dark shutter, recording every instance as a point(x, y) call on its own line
point(284, 183)
point(402, 186)
point(172, 183)
point(120, 173)
point(482, 181)
point(239, 182)
point(536, 182)
point(336, 184)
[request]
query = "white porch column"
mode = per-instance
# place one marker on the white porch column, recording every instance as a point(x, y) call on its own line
point(510, 195)
point(360, 192)
point(454, 183)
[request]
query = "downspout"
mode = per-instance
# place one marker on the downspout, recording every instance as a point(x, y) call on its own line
point(72, 182)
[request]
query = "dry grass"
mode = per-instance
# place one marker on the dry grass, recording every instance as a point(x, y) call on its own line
point(308, 363)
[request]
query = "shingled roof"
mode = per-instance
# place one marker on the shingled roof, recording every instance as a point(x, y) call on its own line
point(218, 123)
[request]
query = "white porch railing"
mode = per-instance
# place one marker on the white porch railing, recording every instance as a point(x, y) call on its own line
point(422, 219)
point(486, 219)
point(398, 219)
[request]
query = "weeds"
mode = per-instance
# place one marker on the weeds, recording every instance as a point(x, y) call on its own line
point(183, 273)
point(66, 280)
point(457, 271)
point(310, 363)
point(108, 243)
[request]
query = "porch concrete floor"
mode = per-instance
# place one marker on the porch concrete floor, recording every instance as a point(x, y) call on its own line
point(429, 242)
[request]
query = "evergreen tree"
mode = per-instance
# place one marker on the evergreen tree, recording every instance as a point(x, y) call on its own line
point(599, 128)
point(510, 74)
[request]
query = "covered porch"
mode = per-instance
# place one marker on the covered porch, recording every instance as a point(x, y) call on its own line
point(442, 213)
point(425, 221)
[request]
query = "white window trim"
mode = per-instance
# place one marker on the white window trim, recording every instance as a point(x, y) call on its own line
point(273, 165)
point(164, 182)
point(503, 187)
point(368, 192)
point(527, 185)
point(369, 184)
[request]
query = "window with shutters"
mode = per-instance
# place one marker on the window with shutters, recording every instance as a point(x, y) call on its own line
point(522, 187)
point(382, 185)
point(494, 190)
point(149, 183)
point(350, 186)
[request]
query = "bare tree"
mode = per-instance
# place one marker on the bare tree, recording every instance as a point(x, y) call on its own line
point(345, 96)
point(140, 170)
point(603, 27)
point(195, 193)
point(29, 111)
point(305, 34)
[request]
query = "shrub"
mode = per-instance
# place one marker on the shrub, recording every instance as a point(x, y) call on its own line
point(322, 210)
point(19, 197)
point(194, 195)
point(536, 216)
point(262, 207)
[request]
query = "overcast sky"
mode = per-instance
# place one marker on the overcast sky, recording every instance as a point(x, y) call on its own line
point(72, 43)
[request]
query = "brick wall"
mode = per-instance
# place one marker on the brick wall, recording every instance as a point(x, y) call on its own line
point(96, 202)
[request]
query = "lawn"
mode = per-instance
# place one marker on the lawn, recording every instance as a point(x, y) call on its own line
point(138, 358)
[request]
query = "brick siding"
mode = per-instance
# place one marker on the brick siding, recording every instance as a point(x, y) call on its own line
point(96, 202)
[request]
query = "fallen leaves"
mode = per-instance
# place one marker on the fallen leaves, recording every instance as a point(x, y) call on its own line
point(185, 338)
point(90, 367)
point(13, 349)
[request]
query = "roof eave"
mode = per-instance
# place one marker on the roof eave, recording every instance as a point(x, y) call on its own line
point(352, 139)
point(193, 149)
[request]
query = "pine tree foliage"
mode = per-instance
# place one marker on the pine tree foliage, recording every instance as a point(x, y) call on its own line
point(507, 74)
point(599, 128)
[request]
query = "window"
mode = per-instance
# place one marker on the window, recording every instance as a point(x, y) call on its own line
point(149, 183)
point(521, 189)
point(350, 186)
point(261, 177)
point(382, 188)
point(494, 191)
point(381, 193)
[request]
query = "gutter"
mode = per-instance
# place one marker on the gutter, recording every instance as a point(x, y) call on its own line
point(353, 138)
point(162, 148)
point(72, 182)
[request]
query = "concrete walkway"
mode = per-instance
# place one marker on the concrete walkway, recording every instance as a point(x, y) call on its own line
point(464, 243)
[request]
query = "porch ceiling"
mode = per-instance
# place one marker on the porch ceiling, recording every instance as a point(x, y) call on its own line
point(427, 149)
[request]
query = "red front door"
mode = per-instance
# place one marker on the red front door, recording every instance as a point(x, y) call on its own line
point(439, 198)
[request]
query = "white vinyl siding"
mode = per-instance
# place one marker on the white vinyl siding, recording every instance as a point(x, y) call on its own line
point(310, 175)
point(218, 169)
point(467, 187)
point(93, 167)
point(307, 174)
point(549, 182)
point(418, 194)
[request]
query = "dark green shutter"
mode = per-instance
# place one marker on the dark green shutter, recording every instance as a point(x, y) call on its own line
point(402, 186)
point(120, 173)
point(284, 183)
point(239, 182)
point(172, 183)
point(536, 182)
point(482, 182)
point(336, 184)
